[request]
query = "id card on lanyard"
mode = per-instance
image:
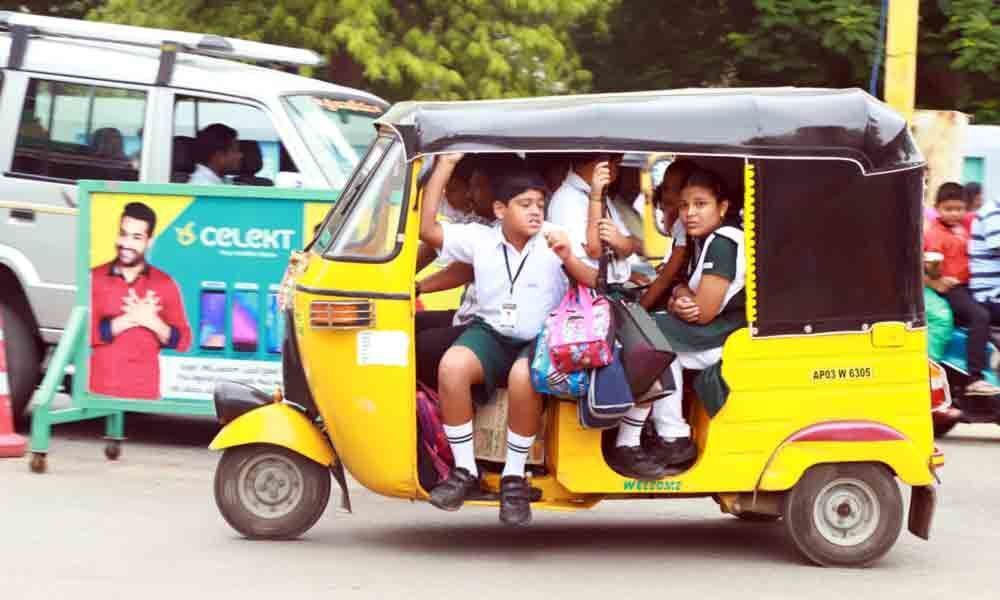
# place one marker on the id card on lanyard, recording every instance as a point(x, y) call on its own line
point(509, 310)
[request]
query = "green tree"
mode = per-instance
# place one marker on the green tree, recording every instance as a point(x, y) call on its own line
point(440, 49)
point(74, 9)
point(828, 43)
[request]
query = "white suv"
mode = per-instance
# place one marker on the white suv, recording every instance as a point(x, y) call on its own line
point(84, 100)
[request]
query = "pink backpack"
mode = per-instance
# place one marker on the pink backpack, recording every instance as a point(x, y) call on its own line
point(580, 331)
point(432, 436)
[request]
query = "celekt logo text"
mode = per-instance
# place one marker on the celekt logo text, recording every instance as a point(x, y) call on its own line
point(234, 237)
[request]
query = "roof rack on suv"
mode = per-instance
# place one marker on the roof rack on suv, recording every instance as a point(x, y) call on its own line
point(23, 25)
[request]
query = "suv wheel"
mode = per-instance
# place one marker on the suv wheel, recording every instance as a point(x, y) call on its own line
point(24, 355)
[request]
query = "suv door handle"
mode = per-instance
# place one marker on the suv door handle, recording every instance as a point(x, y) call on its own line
point(24, 215)
point(67, 198)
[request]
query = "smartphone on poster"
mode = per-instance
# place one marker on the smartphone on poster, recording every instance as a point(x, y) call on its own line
point(245, 313)
point(212, 317)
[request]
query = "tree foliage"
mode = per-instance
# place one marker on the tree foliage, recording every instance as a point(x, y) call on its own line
point(444, 49)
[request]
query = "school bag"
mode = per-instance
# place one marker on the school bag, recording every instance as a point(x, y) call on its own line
point(608, 396)
point(580, 331)
point(546, 378)
point(435, 455)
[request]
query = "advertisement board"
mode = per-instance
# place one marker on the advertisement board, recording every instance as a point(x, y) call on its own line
point(177, 289)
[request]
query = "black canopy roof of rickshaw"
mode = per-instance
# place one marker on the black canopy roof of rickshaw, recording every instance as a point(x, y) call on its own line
point(756, 122)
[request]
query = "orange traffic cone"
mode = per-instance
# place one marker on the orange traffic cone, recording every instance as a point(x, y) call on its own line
point(11, 444)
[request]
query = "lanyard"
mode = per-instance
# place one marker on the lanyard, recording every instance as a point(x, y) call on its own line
point(513, 278)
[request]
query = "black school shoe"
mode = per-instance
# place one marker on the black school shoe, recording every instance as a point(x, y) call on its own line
point(451, 493)
point(635, 462)
point(515, 501)
point(680, 452)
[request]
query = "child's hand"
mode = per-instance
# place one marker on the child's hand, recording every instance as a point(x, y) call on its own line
point(944, 284)
point(600, 180)
point(609, 234)
point(558, 240)
point(687, 309)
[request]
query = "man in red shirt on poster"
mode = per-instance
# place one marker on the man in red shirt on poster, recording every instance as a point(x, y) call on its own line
point(136, 309)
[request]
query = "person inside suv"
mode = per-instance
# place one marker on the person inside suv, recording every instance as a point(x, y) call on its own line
point(217, 152)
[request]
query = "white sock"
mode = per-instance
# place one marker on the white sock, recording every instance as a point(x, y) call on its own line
point(460, 440)
point(630, 428)
point(518, 447)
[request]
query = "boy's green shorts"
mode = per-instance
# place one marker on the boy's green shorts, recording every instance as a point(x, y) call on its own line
point(496, 352)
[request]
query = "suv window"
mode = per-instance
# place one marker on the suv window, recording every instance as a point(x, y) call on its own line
point(264, 156)
point(374, 214)
point(80, 131)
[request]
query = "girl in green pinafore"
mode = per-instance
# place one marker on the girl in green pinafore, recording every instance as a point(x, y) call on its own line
point(701, 314)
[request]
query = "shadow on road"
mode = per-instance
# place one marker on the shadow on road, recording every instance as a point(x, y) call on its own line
point(169, 430)
point(717, 539)
point(968, 440)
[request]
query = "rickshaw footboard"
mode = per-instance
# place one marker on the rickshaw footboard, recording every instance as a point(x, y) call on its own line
point(923, 500)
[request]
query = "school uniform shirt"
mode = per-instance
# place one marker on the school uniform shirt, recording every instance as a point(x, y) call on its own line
point(678, 238)
point(202, 175)
point(539, 282)
point(467, 307)
point(570, 208)
point(721, 253)
point(128, 365)
point(984, 254)
point(953, 243)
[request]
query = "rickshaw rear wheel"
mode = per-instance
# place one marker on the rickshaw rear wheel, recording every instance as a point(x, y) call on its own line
point(844, 515)
point(268, 492)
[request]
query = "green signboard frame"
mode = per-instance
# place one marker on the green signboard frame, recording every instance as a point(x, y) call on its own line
point(74, 347)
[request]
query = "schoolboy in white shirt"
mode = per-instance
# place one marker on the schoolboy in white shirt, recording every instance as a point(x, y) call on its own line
point(520, 279)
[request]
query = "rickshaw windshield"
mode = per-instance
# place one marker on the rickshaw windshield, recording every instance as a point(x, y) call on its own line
point(365, 226)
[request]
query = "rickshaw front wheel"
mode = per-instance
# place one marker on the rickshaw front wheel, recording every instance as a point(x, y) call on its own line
point(269, 492)
point(844, 515)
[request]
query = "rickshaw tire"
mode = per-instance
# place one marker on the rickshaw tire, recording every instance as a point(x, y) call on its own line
point(316, 486)
point(943, 429)
point(799, 506)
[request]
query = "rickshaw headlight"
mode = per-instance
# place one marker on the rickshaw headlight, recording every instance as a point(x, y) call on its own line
point(341, 314)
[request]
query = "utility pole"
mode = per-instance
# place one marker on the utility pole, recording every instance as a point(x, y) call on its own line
point(901, 56)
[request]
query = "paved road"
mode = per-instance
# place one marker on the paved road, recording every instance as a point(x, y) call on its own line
point(146, 528)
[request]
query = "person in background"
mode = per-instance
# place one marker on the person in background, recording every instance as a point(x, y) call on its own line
point(974, 198)
point(948, 236)
point(217, 152)
point(578, 206)
point(667, 199)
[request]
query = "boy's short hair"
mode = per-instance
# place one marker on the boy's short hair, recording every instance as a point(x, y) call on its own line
point(972, 189)
point(950, 191)
point(213, 139)
point(512, 182)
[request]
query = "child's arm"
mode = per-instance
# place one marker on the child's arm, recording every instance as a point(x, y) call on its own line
point(664, 278)
point(425, 256)
point(431, 232)
point(583, 273)
point(595, 208)
point(454, 275)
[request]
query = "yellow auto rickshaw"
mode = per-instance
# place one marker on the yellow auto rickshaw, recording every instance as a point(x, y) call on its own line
point(826, 398)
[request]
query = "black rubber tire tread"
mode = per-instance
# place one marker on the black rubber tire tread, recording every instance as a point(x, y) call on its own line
point(24, 354)
point(316, 494)
point(943, 429)
point(755, 517)
point(798, 515)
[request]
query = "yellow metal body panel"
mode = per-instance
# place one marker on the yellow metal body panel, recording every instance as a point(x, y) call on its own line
point(369, 408)
point(277, 424)
point(777, 387)
point(901, 56)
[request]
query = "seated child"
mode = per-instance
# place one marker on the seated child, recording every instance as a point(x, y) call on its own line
point(520, 279)
point(948, 236)
point(701, 314)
